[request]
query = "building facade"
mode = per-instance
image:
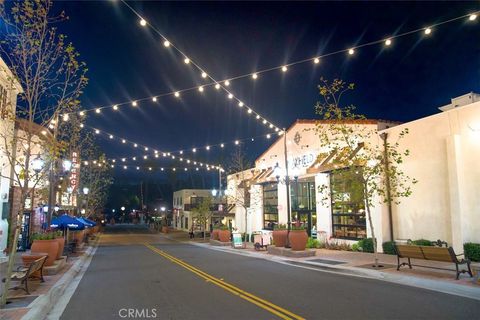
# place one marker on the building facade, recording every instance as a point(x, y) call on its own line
point(443, 148)
point(186, 200)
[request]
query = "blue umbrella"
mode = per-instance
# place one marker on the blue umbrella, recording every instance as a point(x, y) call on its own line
point(65, 221)
point(87, 222)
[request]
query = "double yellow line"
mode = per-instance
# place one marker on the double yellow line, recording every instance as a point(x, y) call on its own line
point(273, 308)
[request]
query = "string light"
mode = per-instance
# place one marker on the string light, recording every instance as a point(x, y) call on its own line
point(472, 17)
point(200, 89)
point(217, 86)
point(268, 136)
point(177, 94)
point(111, 137)
point(166, 43)
point(227, 83)
point(254, 76)
point(81, 113)
point(351, 51)
point(134, 103)
point(143, 23)
point(115, 107)
point(98, 110)
point(428, 30)
point(388, 42)
point(204, 74)
point(194, 150)
point(249, 110)
point(207, 147)
point(230, 96)
point(124, 141)
point(97, 131)
point(154, 99)
point(316, 60)
point(186, 60)
point(240, 104)
point(65, 117)
point(284, 68)
point(222, 145)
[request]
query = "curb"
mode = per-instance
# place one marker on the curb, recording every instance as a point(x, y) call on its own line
point(41, 307)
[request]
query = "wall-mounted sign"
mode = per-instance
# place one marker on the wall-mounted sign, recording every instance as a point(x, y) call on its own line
point(303, 161)
point(74, 173)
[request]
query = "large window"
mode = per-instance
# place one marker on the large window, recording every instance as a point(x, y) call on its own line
point(348, 205)
point(270, 204)
point(303, 195)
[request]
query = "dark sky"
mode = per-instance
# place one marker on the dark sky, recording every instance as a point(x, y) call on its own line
point(126, 62)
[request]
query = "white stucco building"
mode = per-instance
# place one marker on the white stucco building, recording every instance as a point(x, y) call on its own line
point(445, 204)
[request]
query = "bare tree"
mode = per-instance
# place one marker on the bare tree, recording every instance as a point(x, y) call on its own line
point(203, 213)
point(370, 169)
point(52, 79)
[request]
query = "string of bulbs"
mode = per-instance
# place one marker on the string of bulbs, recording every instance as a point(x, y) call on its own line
point(199, 166)
point(254, 75)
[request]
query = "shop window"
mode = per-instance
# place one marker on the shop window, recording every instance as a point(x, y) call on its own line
point(270, 205)
point(348, 205)
point(302, 195)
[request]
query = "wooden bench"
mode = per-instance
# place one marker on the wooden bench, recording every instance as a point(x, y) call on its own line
point(431, 253)
point(22, 273)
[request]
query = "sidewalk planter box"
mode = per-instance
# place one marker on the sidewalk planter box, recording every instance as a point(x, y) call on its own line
point(280, 238)
point(50, 247)
point(214, 234)
point(298, 239)
point(224, 235)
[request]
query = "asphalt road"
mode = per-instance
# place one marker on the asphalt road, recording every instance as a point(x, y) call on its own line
point(172, 280)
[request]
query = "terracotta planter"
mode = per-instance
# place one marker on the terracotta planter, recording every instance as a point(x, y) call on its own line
point(280, 238)
point(298, 239)
point(224, 235)
point(50, 247)
point(27, 259)
point(214, 234)
point(61, 245)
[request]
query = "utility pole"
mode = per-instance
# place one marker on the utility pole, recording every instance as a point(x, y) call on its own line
point(287, 184)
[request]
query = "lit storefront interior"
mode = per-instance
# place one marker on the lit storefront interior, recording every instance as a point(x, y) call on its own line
point(303, 204)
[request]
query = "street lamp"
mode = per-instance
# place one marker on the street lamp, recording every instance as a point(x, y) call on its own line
point(163, 209)
point(85, 190)
point(37, 164)
point(122, 208)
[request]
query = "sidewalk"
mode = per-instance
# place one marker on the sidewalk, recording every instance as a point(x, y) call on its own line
point(360, 264)
point(43, 294)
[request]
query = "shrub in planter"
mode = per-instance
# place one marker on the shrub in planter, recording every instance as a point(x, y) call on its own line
point(224, 234)
point(388, 247)
point(472, 251)
point(280, 235)
point(313, 243)
point(214, 234)
point(366, 245)
point(422, 242)
point(45, 243)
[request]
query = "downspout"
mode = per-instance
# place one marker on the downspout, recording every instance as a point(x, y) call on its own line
point(384, 136)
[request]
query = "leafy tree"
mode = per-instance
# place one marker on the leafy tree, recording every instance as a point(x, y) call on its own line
point(52, 79)
point(202, 213)
point(371, 168)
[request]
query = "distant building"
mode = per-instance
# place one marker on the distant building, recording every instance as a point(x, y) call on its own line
point(184, 201)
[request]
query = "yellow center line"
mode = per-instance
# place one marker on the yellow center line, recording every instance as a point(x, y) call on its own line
point(277, 310)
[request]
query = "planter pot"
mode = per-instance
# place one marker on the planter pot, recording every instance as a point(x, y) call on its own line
point(280, 238)
point(215, 234)
point(224, 235)
point(298, 239)
point(61, 245)
point(50, 247)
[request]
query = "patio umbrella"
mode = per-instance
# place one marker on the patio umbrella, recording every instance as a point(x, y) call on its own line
point(87, 222)
point(65, 221)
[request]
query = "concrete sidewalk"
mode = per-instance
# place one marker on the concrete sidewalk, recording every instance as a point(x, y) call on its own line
point(360, 264)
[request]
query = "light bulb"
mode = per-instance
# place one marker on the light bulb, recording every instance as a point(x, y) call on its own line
point(97, 131)
point(154, 99)
point(146, 148)
point(204, 75)
point(97, 110)
point(428, 31)
point(115, 107)
point(200, 89)
point(230, 96)
point(217, 86)
point(111, 137)
point(271, 125)
point(264, 121)
point(227, 83)
point(249, 110)
point(81, 113)
point(145, 157)
point(194, 150)
point(125, 167)
point(472, 17)
point(254, 76)
point(124, 141)
point(222, 145)
point(237, 142)
point(316, 60)
point(208, 148)
point(138, 168)
point(268, 136)
point(134, 103)
point(81, 125)
point(240, 104)
point(177, 94)
point(186, 60)
point(166, 43)
point(257, 117)
point(161, 169)
point(150, 168)
point(351, 51)
point(143, 23)
point(284, 68)
point(181, 152)
point(135, 145)
point(388, 42)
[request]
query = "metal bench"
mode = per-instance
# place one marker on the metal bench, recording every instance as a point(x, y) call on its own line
point(22, 273)
point(431, 253)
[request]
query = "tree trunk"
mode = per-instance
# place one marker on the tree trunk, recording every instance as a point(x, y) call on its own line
point(370, 222)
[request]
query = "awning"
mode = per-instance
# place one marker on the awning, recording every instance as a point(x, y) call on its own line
point(334, 160)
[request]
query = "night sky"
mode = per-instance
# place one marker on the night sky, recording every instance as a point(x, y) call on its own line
point(406, 81)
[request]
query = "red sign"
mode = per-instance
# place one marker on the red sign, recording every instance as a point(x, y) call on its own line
point(75, 172)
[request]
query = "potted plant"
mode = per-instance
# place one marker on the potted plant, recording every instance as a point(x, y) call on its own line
point(298, 237)
point(45, 243)
point(224, 234)
point(280, 235)
point(215, 233)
